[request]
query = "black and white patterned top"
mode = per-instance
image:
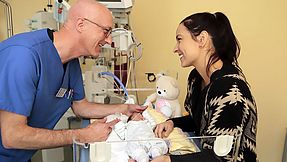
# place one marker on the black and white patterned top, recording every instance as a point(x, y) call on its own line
point(224, 107)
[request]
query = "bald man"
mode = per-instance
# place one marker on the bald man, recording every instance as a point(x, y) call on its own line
point(40, 78)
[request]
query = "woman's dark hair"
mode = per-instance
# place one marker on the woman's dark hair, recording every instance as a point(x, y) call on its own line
point(218, 27)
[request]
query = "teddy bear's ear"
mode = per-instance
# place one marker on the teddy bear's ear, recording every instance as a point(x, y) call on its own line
point(174, 83)
point(159, 75)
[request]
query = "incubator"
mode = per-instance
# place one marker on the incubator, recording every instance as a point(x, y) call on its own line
point(224, 145)
point(115, 148)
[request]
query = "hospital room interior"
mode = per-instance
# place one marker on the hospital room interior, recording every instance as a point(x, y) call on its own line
point(144, 51)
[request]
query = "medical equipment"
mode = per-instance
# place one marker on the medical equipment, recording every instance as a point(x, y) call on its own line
point(120, 9)
point(42, 19)
point(9, 20)
point(50, 18)
point(61, 8)
point(101, 151)
point(118, 58)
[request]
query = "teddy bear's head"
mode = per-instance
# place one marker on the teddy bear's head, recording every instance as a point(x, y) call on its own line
point(167, 87)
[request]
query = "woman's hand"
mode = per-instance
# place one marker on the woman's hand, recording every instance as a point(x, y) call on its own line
point(162, 130)
point(163, 158)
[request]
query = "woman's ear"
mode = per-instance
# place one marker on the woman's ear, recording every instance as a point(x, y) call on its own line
point(202, 38)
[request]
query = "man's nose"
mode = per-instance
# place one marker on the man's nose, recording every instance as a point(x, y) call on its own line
point(109, 39)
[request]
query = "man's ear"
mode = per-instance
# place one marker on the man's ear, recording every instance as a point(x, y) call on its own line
point(202, 38)
point(79, 24)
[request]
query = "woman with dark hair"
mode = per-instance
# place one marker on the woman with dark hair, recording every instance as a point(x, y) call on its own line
point(218, 98)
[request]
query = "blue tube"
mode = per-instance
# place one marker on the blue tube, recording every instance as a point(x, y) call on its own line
point(117, 79)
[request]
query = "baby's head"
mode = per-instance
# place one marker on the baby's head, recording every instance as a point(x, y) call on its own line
point(136, 117)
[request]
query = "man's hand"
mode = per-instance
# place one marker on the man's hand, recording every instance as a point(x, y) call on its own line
point(132, 108)
point(97, 131)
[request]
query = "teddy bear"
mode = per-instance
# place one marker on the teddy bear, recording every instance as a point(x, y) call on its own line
point(165, 99)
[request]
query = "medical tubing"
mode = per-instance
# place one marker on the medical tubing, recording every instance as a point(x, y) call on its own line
point(117, 79)
point(9, 18)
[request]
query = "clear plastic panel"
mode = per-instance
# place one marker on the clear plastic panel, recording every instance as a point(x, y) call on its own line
point(224, 146)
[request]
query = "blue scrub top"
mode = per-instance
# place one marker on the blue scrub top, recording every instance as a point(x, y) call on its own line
point(31, 73)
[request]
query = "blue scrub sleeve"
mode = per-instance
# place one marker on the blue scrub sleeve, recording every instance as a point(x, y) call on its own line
point(18, 79)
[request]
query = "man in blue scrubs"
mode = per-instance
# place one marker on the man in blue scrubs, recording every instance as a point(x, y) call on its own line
point(40, 78)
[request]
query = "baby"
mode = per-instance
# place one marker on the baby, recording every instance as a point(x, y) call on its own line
point(140, 128)
point(141, 145)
